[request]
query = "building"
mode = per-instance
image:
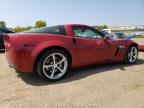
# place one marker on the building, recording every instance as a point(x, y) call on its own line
point(126, 27)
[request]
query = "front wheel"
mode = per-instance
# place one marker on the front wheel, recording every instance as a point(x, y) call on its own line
point(53, 65)
point(131, 55)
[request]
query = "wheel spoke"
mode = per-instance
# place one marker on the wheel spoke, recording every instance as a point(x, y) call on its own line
point(129, 54)
point(133, 49)
point(62, 71)
point(61, 61)
point(52, 74)
point(54, 58)
point(47, 66)
point(131, 58)
point(135, 52)
point(134, 56)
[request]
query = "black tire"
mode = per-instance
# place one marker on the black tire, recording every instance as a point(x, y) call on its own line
point(46, 57)
point(1, 47)
point(127, 58)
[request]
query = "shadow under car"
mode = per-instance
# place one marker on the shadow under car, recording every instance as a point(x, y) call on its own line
point(76, 74)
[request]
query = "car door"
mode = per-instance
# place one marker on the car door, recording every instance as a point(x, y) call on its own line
point(91, 45)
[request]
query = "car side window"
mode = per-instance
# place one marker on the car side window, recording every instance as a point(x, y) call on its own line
point(86, 32)
point(60, 30)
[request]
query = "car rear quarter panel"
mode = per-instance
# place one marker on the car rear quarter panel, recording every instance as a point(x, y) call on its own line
point(33, 45)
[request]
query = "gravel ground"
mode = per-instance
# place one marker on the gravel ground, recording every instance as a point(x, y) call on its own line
point(103, 86)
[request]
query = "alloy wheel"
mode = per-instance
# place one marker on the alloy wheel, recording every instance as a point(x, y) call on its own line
point(132, 54)
point(55, 66)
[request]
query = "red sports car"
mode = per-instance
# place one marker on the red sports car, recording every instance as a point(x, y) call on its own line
point(52, 51)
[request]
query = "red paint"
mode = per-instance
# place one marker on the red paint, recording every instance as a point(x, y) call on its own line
point(22, 50)
point(141, 48)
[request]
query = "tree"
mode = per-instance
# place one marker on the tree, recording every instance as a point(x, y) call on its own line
point(101, 27)
point(2, 24)
point(21, 29)
point(40, 23)
point(105, 27)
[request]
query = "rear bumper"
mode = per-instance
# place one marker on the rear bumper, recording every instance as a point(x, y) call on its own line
point(19, 61)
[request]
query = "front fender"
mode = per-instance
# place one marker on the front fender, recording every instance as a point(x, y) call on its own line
point(130, 43)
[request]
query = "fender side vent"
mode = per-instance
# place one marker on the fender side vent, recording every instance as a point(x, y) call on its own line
point(117, 51)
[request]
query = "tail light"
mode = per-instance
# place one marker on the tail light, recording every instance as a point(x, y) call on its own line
point(6, 38)
point(6, 41)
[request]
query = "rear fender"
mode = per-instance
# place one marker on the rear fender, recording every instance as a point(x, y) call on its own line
point(41, 47)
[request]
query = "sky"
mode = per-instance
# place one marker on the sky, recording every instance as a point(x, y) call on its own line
point(55, 12)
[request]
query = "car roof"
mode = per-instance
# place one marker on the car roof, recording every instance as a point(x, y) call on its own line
point(75, 25)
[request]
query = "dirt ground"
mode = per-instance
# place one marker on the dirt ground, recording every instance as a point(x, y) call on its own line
point(103, 86)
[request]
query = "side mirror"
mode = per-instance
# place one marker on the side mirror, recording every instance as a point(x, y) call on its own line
point(106, 38)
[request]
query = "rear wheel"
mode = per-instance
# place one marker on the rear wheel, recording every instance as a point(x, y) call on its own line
point(53, 65)
point(131, 55)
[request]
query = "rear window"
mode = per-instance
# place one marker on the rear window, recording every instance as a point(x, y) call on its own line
point(60, 30)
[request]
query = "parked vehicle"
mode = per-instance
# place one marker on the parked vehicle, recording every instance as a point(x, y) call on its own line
point(111, 35)
point(130, 35)
point(52, 51)
point(107, 30)
point(118, 35)
point(3, 31)
point(121, 35)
